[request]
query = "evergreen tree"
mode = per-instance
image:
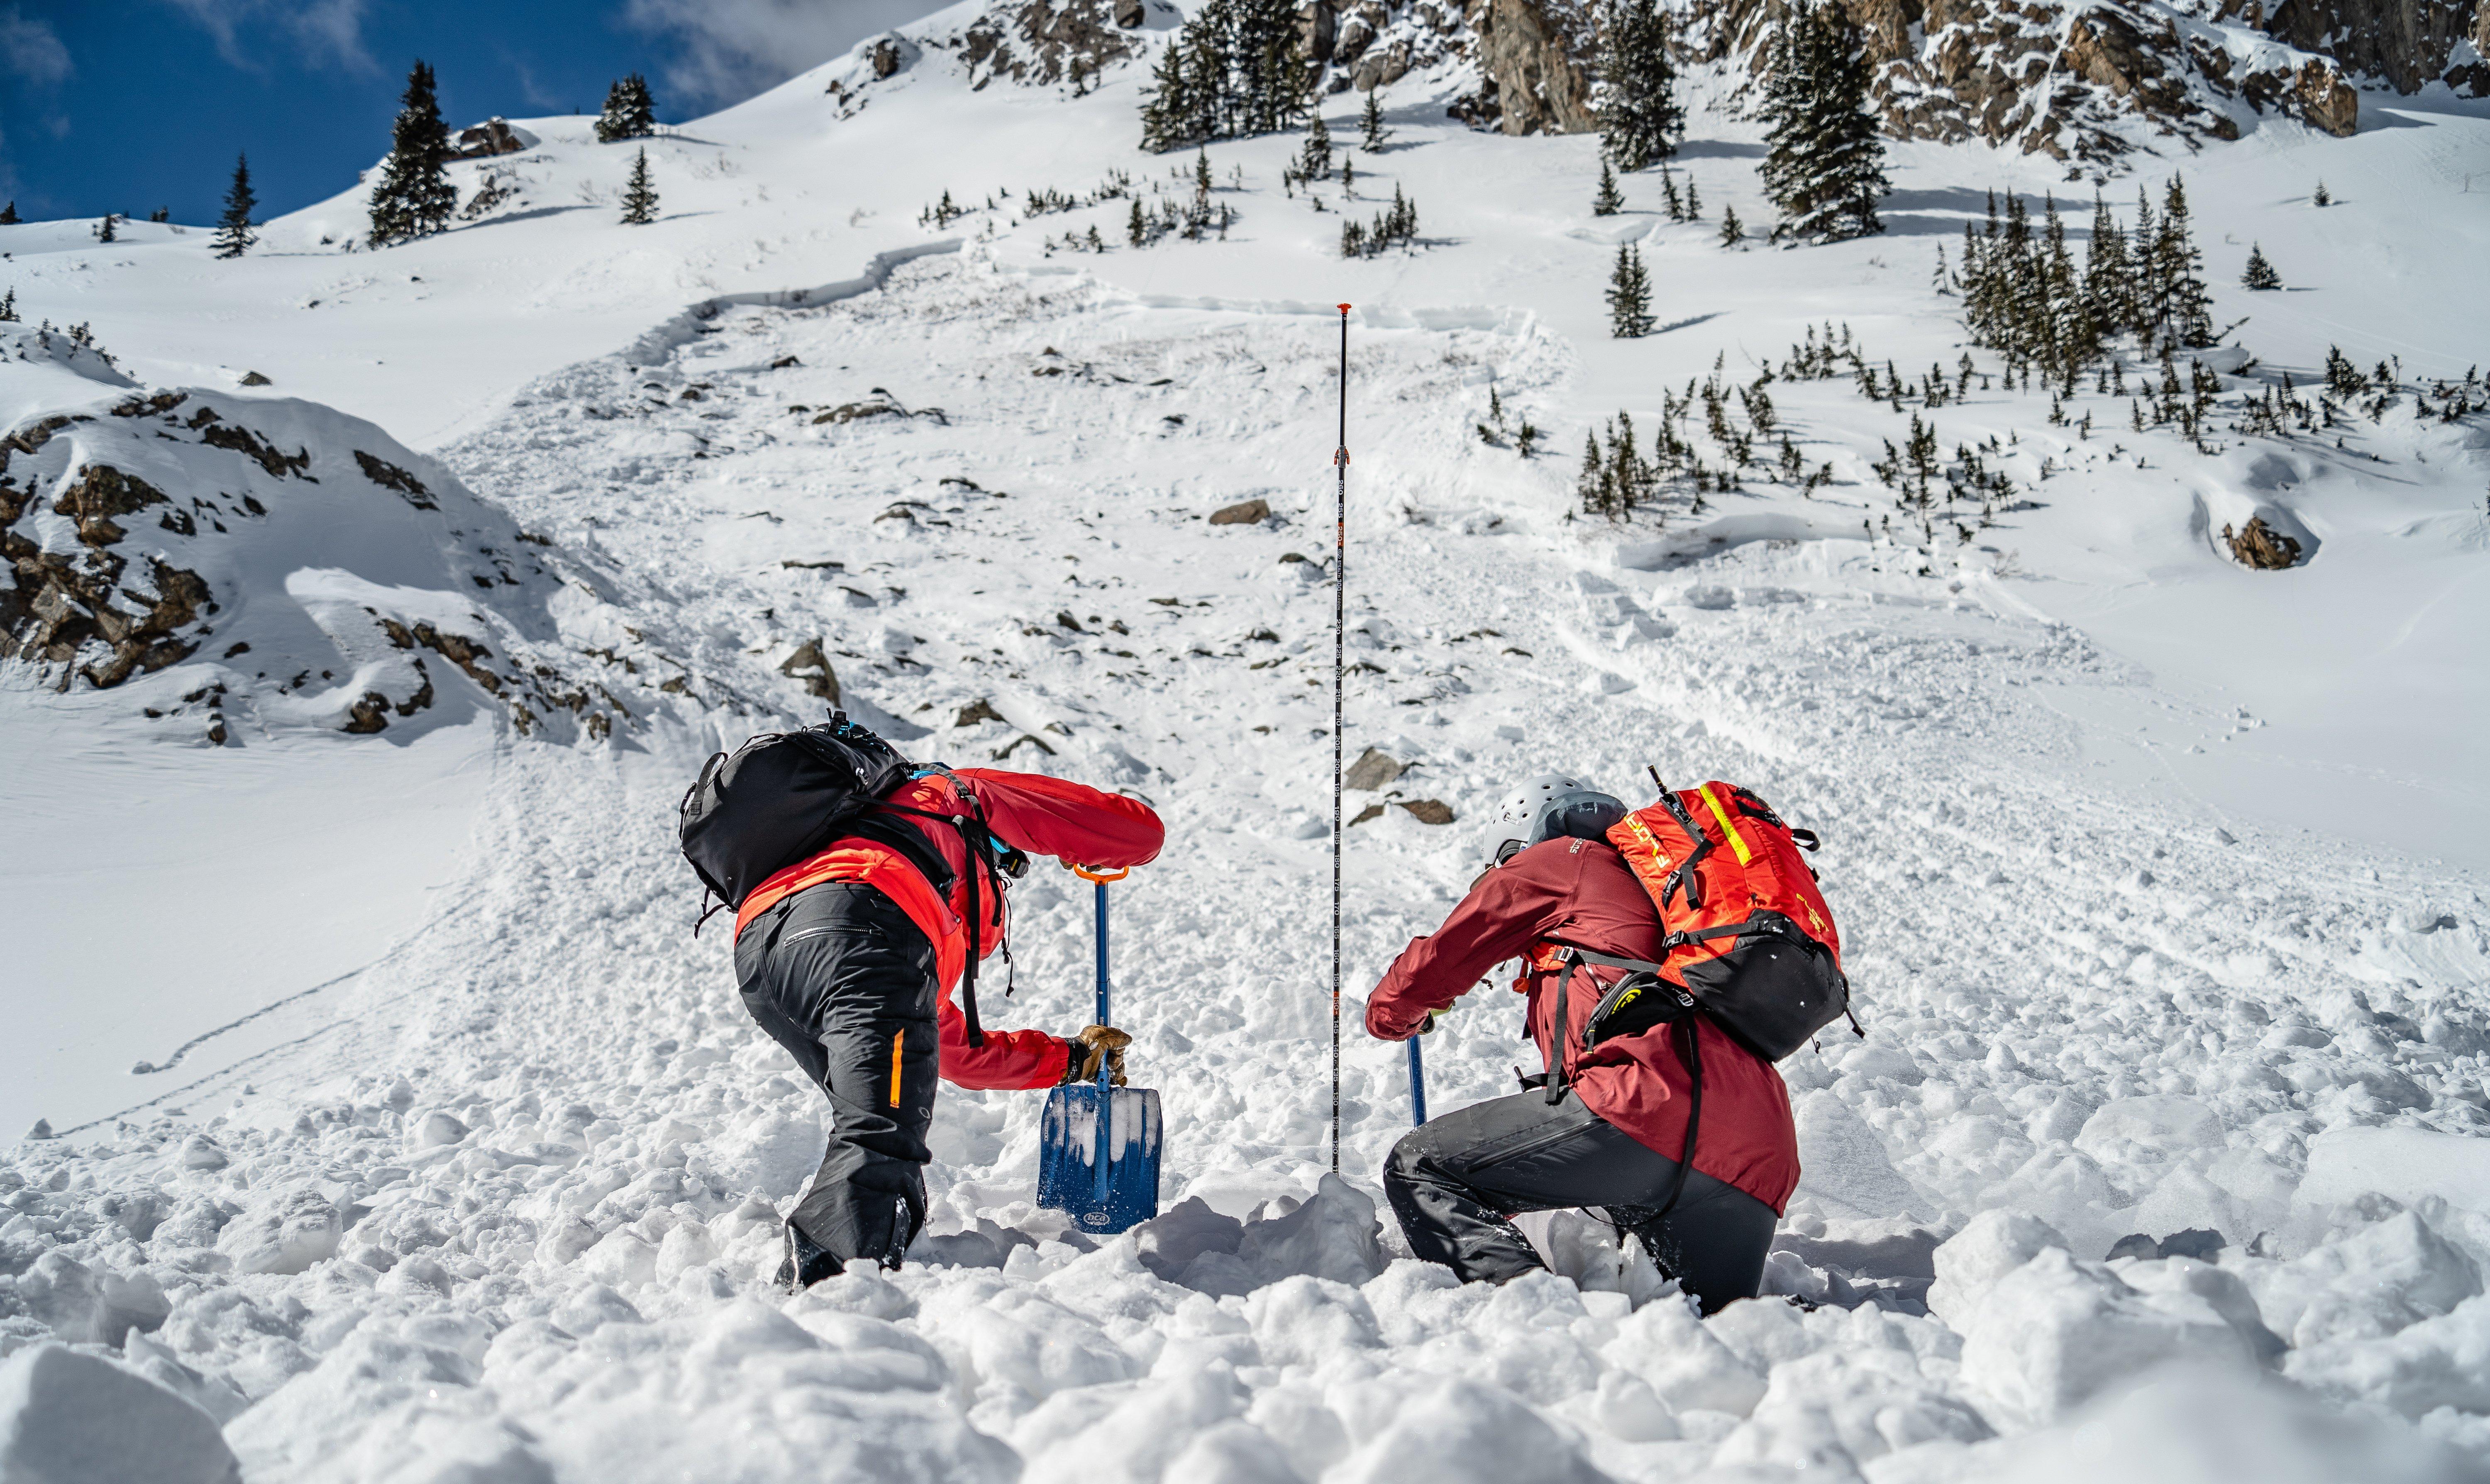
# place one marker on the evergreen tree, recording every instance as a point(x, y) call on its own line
point(639, 199)
point(1370, 122)
point(1236, 67)
point(1825, 165)
point(2260, 273)
point(1670, 200)
point(9, 213)
point(106, 230)
point(414, 197)
point(2318, 198)
point(2109, 288)
point(1591, 485)
point(1314, 163)
point(9, 306)
point(234, 235)
point(2187, 307)
point(1609, 200)
point(630, 113)
point(1694, 200)
point(1639, 118)
point(1629, 296)
point(1730, 231)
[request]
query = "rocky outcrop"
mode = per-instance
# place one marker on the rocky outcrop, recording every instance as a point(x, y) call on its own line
point(1043, 44)
point(156, 531)
point(1534, 68)
point(2409, 43)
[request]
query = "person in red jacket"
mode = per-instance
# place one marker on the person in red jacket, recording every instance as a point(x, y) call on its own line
point(1606, 1123)
point(848, 959)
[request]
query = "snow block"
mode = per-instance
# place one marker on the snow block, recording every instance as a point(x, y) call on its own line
point(2184, 1425)
point(72, 1418)
point(1334, 1235)
point(2054, 1334)
point(2408, 1164)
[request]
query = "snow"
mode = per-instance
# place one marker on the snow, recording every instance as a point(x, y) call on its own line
point(2162, 878)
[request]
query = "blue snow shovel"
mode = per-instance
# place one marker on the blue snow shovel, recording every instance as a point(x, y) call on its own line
point(1098, 1144)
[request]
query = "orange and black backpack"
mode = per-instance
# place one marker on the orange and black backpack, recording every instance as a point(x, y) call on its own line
point(1750, 942)
point(1749, 939)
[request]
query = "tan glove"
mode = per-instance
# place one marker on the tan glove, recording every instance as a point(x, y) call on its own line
point(1085, 1048)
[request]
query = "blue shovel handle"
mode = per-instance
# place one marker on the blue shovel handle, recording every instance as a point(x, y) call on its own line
point(1417, 1084)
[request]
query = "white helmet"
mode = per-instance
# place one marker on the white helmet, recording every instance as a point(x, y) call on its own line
point(1548, 805)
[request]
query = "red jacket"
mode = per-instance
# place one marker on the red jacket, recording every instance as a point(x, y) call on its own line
point(1582, 893)
point(1039, 815)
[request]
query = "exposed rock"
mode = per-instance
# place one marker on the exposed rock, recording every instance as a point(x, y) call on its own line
point(1429, 810)
point(493, 136)
point(1248, 512)
point(1369, 811)
point(2262, 547)
point(1317, 29)
point(240, 441)
point(1372, 769)
point(390, 476)
point(254, 379)
point(1533, 67)
point(368, 715)
point(2411, 43)
point(885, 57)
point(977, 713)
point(811, 665)
point(1043, 44)
point(1025, 739)
point(1130, 14)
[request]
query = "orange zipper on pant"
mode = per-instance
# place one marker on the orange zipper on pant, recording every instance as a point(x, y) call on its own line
point(898, 1039)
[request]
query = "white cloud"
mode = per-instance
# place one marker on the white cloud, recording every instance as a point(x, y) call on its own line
point(329, 31)
point(734, 49)
point(31, 51)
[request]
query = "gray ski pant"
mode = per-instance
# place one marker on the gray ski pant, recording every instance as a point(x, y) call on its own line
point(839, 975)
point(1453, 1183)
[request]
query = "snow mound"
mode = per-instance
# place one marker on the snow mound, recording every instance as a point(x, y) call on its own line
point(272, 565)
point(67, 1417)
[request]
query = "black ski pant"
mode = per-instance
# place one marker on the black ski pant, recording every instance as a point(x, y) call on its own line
point(1454, 1182)
point(839, 975)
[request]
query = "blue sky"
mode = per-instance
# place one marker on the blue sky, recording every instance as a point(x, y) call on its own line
point(126, 105)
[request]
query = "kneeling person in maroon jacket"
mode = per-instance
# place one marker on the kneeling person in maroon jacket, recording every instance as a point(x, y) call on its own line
point(1608, 1124)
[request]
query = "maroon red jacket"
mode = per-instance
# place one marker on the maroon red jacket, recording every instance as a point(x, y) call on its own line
point(1582, 893)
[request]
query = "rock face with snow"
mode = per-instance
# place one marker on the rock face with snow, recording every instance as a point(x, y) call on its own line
point(296, 566)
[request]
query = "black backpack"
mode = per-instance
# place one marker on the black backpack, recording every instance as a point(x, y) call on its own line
point(783, 796)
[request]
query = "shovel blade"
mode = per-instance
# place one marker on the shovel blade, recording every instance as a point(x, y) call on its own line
point(1098, 1156)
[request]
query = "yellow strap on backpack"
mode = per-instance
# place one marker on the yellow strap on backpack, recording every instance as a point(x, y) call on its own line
point(1736, 842)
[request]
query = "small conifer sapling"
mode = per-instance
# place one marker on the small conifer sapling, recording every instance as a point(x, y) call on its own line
point(2319, 197)
point(105, 231)
point(9, 213)
point(1609, 200)
point(234, 235)
point(2260, 273)
point(1629, 296)
point(1370, 122)
point(639, 198)
point(1731, 232)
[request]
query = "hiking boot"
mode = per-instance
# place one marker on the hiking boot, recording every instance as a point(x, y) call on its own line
point(806, 1264)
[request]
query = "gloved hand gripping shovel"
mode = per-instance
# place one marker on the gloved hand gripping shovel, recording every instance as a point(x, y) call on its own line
point(1098, 1144)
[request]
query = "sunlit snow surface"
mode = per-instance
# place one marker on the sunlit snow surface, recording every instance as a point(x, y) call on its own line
point(2160, 877)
